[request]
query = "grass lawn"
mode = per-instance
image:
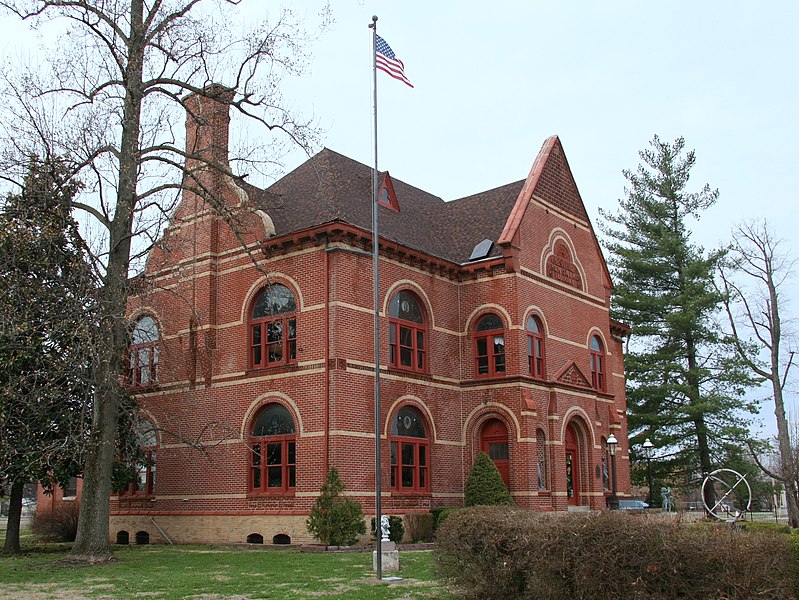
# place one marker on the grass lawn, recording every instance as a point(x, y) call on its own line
point(212, 573)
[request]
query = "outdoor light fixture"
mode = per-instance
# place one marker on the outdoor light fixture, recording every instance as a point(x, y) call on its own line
point(648, 449)
point(613, 501)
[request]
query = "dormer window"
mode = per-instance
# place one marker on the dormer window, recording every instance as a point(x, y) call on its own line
point(385, 194)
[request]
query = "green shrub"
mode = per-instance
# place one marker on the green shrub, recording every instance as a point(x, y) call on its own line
point(507, 553)
point(335, 520)
point(396, 529)
point(440, 515)
point(484, 485)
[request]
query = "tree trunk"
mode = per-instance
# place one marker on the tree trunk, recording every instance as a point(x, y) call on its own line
point(93, 543)
point(705, 463)
point(786, 458)
point(11, 545)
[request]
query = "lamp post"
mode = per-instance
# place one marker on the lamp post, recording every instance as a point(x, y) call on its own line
point(613, 501)
point(648, 448)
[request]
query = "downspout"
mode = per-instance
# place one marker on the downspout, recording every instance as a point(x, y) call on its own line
point(326, 265)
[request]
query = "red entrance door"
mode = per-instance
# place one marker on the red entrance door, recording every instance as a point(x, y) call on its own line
point(572, 468)
point(494, 442)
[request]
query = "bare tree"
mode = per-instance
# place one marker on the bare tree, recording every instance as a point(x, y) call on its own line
point(120, 83)
point(753, 306)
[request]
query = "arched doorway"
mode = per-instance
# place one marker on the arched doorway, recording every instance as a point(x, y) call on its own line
point(494, 442)
point(572, 447)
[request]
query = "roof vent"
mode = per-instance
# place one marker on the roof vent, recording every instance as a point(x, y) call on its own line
point(481, 250)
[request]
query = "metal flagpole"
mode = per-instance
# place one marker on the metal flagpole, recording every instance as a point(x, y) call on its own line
point(376, 259)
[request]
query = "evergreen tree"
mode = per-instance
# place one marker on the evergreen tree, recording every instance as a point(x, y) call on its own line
point(45, 322)
point(484, 485)
point(335, 520)
point(685, 384)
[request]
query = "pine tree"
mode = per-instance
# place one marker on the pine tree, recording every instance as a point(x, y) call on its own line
point(335, 520)
point(484, 485)
point(685, 384)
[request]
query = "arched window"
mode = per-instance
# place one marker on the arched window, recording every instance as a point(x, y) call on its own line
point(273, 456)
point(535, 348)
point(410, 452)
point(597, 353)
point(143, 352)
point(273, 328)
point(143, 483)
point(407, 337)
point(541, 460)
point(490, 346)
point(494, 442)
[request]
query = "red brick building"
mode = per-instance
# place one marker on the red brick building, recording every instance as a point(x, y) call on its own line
point(252, 351)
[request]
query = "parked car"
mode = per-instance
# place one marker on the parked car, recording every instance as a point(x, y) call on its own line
point(632, 504)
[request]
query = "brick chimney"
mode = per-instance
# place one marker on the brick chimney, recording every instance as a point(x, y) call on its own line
point(208, 125)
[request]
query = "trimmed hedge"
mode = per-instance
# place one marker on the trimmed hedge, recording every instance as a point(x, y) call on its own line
point(505, 553)
point(484, 484)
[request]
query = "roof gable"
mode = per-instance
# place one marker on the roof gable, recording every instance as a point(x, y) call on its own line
point(551, 180)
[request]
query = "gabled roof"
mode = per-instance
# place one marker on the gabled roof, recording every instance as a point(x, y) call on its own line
point(330, 187)
point(550, 178)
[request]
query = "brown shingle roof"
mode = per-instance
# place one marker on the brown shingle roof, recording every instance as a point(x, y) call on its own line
point(331, 187)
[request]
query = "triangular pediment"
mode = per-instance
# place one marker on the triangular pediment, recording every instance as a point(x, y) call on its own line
point(573, 376)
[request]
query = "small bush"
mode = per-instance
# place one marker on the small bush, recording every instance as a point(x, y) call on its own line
point(335, 520)
point(396, 529)
point(506, 553)
point(419, 527)
point(57, 525)
point(484, 485)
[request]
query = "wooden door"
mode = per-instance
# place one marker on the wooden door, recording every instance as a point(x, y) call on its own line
point(494, 442)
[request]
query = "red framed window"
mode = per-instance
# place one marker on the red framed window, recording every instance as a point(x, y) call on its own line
point(535, 348)
point(597, 354)
point(143, 483)
point(410, 452)
point(407, 336)
point(273, 452)
point(489, 342)
point(273, 328)
point(143, 353)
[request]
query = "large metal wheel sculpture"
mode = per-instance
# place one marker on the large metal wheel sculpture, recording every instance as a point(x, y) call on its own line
point(732, 495)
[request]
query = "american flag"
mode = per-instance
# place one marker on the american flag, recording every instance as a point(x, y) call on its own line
point(387, 61)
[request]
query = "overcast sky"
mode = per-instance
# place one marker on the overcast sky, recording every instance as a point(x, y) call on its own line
point(494, 80)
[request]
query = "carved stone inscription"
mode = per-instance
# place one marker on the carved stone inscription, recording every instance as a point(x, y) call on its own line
point(561, 267)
